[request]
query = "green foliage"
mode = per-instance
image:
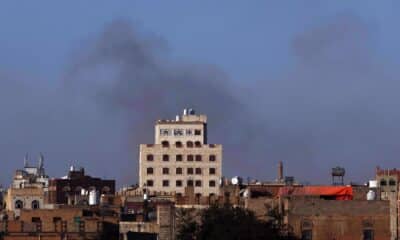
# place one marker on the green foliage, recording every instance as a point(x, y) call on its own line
point(225, 222)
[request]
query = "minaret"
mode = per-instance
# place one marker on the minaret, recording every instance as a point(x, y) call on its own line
point(280, 171)
point(41, 165)
point(26, 161)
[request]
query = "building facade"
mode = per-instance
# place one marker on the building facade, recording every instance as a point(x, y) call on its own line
point(181, 157)
point(29, 187)
point(76, 188)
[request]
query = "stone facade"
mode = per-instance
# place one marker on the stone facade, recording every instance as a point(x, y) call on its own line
point(181, 157)
point(318, 219)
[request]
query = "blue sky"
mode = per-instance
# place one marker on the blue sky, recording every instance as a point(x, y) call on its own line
point(252, 42)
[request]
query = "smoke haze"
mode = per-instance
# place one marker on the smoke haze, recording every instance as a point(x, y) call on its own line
point(335, 105)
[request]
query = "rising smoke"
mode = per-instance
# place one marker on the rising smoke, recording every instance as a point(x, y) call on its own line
point(336, 105)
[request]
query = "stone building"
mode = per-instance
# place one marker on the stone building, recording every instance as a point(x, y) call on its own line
point(76, 187)
point(313, 218)
point(61, 223)
point(29, 187)
point(181, 157)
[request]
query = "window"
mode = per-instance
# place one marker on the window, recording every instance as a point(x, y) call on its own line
point(179, 170)
point(150, 170)
point(57, 219)
point(383, 182)
point(179, 183)
point(165, 183)
point(36, 219)
point(197, 132)
point(306, 234)
point(19, 204)
point(165, 158)
point(392, 182)
point(165, 143)
point(189, 144)
point(190, 158)
point(165, 171)
point(178, 144)
point(164, 132)
point(198, 183)
point(190, 183)
point(178, 132)
point(212, 158)
point(368, 234)
point(211, 171)
point(211, 183)
point(150, 157)
point(197, 144)
point(149, 183)
point(198, 158)
point(179, 158)
point(190, 171)
point(35, 204)
point(189, 132)
point(198, 171)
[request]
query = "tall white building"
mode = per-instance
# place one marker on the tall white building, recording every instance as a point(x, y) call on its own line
point(181, 157)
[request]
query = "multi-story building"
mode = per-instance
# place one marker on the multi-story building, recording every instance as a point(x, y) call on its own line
point(77, 187)
point(181, 157)
point(29, 187)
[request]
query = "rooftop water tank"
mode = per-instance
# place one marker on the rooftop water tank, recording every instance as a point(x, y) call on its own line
point(371, 195)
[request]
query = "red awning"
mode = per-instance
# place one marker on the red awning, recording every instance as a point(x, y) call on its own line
point(336, 192)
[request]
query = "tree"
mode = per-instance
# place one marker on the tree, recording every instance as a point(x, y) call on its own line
point(226, 222)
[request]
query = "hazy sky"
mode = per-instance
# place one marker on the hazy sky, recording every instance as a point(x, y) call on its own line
point(312, 83)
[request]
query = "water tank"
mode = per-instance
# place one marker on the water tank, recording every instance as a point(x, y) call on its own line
point(83, 192)
point(93, 197)
point(185, 111)
point(373, 184)
point(236, 180)
point(371, 195)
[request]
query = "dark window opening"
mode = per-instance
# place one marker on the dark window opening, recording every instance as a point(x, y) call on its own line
point(189, 144)
point(198, 171)
point(197, 144)
point(165, 143)
point(179, 171)
point(178, 144)
point(190, 158)
point(190, 183)
point(197, 132)
point(150, 170)
point(165, 183)
point(190, 171)
point(165, 158)
point(392, 182)
point(35, 204)
point(383, 183)
point(150, 157)
point(306, 234)
point(212, 158)
point(19, 204)
point(179, 158)
point(165, 171)
point(198, 183)
point(212, 171)
point(368, 234)
point(150, 183)
point(198, 158)
point(211, 183)
point(178, 183)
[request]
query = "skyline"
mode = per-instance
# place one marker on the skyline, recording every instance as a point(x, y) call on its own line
point(317, 90)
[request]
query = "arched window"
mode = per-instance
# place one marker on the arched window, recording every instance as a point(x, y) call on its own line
point(105, 190)
point(178, 144)
point(197, 144)
point(35, 204)
point(392, 182)
point(150, 157)
point(19, 204)
point(383, 182)
point(189, 144)
point(165, 143)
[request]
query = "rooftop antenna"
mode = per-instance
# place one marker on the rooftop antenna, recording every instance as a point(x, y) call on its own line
point(41, 161)
point(26, 160)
